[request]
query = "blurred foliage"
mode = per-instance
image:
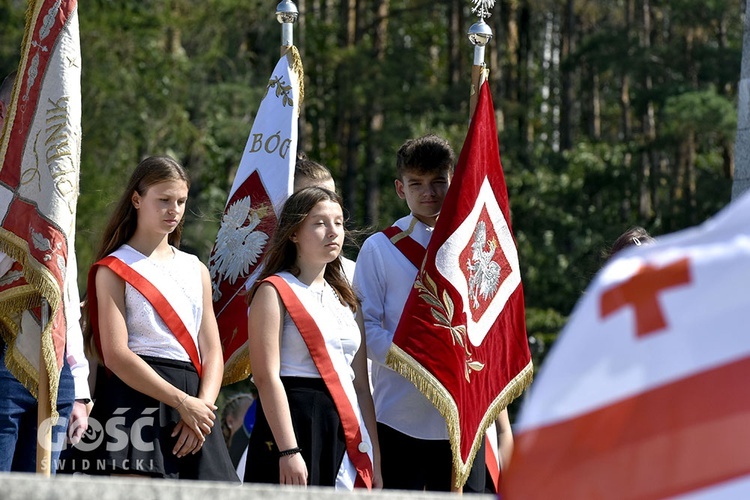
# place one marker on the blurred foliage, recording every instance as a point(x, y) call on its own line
point(650, 111)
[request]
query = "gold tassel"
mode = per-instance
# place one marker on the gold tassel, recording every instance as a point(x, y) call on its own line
point(439, 396)
point(237, 367)
point(295, 65)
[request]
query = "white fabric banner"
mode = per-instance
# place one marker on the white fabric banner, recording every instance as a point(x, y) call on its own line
point(600, 359)
point(263, 182)
point(39, 173)
point(644, 394)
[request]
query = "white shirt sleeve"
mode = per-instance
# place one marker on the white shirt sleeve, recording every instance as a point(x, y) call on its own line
point(75, 355)
point(370, 285)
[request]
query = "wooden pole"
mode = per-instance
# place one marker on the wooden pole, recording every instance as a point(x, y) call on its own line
point(44, 408)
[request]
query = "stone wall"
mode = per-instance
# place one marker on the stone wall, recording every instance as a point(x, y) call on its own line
point(79, 487)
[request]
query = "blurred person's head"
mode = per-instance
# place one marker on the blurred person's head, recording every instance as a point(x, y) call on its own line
point(635, 236)
point(308, 173)
point(6, 89)
point(233, 414)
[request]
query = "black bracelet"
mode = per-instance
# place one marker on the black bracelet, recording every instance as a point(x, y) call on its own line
point(290, 451)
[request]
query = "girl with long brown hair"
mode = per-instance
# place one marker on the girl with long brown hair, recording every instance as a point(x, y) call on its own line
point(315, 422)
point(151, 319)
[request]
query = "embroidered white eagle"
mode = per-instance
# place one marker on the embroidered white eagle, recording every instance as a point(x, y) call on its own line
point(238, 245)
point(484, 273)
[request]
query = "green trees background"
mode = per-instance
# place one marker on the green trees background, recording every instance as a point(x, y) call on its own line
point(611, 113)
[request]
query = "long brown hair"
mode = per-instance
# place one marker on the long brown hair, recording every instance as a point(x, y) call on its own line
point(282, 252)
point(124, 220)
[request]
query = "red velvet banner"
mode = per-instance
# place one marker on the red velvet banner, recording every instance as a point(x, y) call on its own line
point(462, 337)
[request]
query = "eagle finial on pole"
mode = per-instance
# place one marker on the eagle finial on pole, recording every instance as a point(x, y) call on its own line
point(482, 8)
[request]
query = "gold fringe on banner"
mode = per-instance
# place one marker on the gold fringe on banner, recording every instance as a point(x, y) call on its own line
point(439, 396)
point(295, 66)
point(41, 282)
point(237, 367)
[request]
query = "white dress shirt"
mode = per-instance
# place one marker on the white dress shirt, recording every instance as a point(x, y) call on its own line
point(74, 351)
point(383, 280)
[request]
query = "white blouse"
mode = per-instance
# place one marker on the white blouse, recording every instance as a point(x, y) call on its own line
point(179, 280)
point(336, 322)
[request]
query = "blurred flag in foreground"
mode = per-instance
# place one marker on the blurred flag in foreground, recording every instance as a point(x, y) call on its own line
point(263, 182)
point(39, 168)
point(462, 337)
point(646, 394)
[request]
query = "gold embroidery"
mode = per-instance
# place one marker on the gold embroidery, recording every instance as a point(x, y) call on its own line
point(442, 311)
point(403, 234)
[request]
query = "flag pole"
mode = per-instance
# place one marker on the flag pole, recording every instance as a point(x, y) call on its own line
point(44, 408)
point(479, 35)
point(286, 14)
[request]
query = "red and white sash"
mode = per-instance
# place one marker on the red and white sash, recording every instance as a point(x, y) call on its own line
point(491, 454)
point(156, 298)
point(339, 385)
point(406, 245)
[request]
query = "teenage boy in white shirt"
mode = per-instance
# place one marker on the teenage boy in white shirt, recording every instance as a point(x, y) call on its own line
point(415, 451)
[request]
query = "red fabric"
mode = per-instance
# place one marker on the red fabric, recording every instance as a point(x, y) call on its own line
point(407, 246)
point(161, 305)
point(502, 349)
point(641, 292)
point(231, 308)
point(667, 441)
point(316, 345)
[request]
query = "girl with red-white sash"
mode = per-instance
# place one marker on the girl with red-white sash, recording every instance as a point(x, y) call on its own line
point(315, 422)
point(150, 318)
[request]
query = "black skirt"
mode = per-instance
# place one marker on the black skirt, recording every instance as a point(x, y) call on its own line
point(131, 433)
point(318, 430)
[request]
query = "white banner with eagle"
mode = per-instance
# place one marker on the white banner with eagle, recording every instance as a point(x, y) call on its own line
point(264, 181)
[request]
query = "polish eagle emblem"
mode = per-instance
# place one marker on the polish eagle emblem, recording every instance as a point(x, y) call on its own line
point(484, 271)
point(239, 246)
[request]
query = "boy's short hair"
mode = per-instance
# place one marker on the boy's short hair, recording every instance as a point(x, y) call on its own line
point(426, 154)
point(310, 169)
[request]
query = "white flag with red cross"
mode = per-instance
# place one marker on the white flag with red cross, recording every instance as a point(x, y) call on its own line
point(645, 393)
